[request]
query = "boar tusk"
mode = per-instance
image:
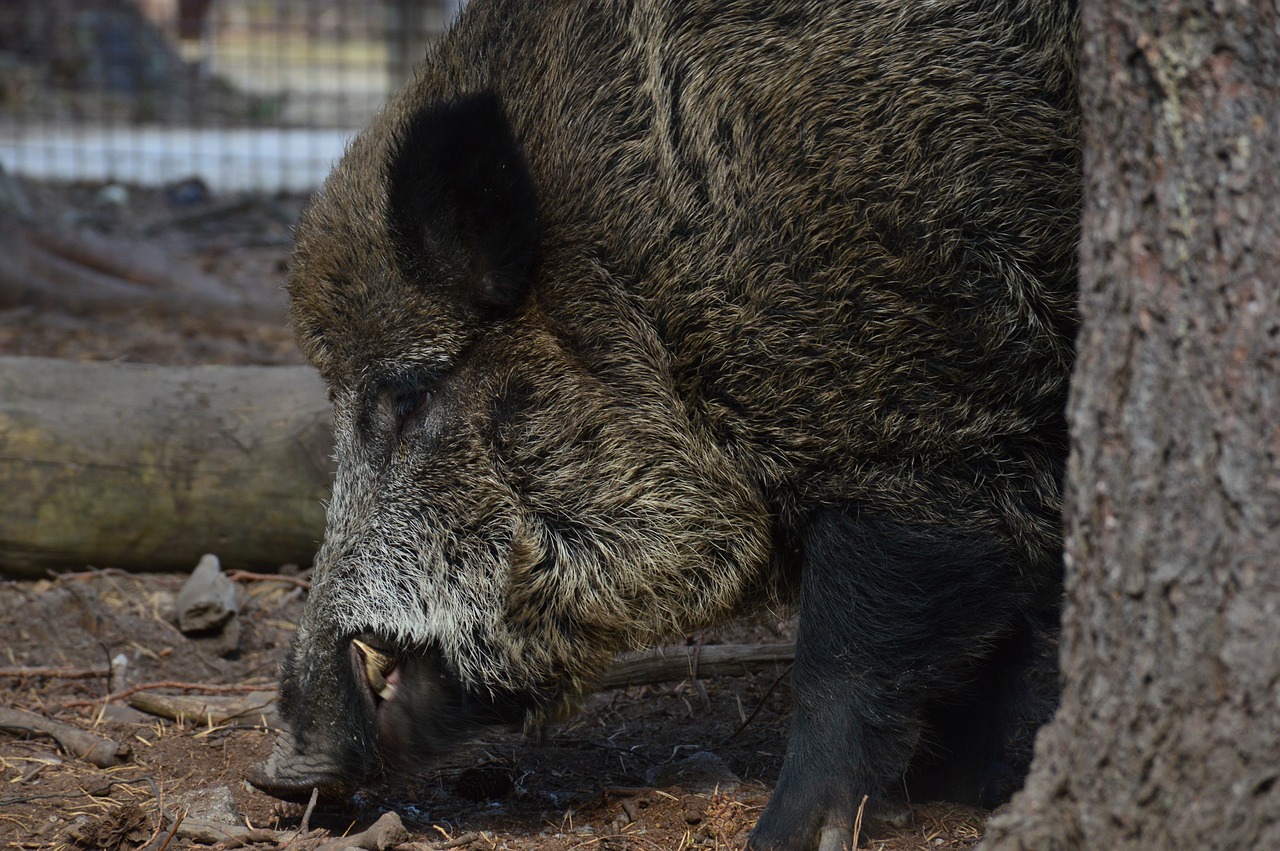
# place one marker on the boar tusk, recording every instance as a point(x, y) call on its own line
point(377, 666)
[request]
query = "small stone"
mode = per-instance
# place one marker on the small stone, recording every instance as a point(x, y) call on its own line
point(213, 804)
point(207, 600)
point(112, 195)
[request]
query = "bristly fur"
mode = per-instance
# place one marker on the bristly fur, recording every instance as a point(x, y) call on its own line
point(615, 298)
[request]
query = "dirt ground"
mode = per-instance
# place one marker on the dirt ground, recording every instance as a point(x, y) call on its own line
point(676, 765)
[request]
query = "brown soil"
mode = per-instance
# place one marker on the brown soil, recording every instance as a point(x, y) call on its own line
point(596, 781)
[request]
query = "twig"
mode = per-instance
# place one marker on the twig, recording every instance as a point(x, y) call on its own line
point(249, 576)
point(161, 815)
point(457, 841)
point(759, 705)
point(98, 792)
point(208, 687)
point(63, 672)
point(92, 573)
point(857, 822)
point(675, 663)
point(306, 815)
point(697, 681)
point(177, 823)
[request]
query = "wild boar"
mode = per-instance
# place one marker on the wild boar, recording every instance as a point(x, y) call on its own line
point(638, 316)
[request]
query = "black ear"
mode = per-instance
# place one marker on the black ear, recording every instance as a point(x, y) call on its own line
point(462, 206)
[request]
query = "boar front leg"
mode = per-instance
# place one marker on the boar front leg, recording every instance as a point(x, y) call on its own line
point(897, 621)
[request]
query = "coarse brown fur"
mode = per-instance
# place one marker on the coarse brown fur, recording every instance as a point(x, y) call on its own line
point(778, 259)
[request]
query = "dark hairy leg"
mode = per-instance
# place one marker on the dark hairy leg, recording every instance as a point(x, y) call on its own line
point(895, 619)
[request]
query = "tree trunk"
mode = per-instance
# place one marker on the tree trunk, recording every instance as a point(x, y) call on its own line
point(147, 467)
point(1168, 735)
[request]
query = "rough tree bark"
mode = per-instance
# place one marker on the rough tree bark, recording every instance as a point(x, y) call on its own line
point(1168, 735)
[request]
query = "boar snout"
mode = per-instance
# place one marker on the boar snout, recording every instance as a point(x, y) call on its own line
point(400, 709)
point(291, 774)
point(322, 750)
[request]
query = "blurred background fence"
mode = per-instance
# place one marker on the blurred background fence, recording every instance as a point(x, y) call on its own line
point(256, 95)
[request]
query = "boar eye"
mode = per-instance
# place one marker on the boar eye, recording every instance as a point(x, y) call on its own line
point(407, 404)
point(394, 402)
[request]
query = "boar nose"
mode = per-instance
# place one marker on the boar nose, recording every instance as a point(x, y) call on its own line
point(379, 669)
point(291, 772)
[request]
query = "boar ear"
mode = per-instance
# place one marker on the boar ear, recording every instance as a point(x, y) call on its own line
point(462, 206)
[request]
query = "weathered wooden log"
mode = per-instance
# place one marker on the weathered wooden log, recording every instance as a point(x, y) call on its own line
point(87, 274)
point(148, 467)
point(99, 750)
point(208, 709)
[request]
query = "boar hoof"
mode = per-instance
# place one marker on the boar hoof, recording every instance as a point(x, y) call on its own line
point(836, 839)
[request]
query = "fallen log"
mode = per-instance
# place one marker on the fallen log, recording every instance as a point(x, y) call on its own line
point(148, 468)
point(85, 274)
